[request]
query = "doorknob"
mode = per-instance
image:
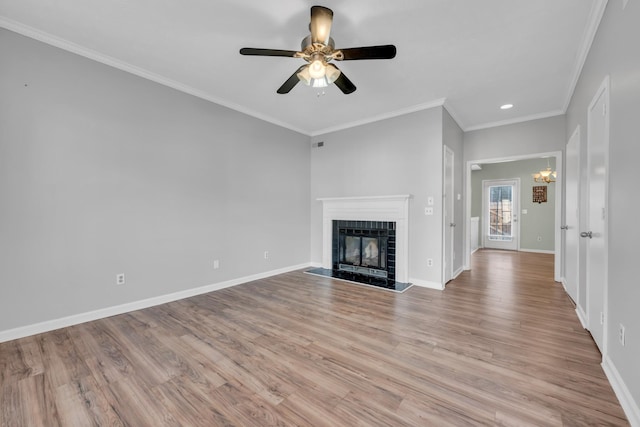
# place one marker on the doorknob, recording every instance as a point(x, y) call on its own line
point(588, 234)
point(564, 227)
point(453, 224)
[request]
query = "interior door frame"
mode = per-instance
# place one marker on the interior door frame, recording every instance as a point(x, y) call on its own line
point(557, 274)
point(515, 209)
point(603, 90)
point(572, 224)
point(448, 231)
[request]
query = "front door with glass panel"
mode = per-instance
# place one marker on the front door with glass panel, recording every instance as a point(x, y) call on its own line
point(500, 209)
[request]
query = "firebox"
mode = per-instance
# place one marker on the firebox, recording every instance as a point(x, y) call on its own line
point(365, 248)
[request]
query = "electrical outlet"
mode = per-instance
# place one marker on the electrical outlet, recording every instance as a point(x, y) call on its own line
point(428, 211)
point(216, 264)
point(120, 279)
point(621, 334)
point(429, 262)
point(266, 254)
point(602, 317)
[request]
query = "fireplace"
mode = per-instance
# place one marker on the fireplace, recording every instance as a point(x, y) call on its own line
point(365, 248)
point(369, 224)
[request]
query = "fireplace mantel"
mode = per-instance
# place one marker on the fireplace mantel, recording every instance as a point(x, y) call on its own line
point(369, 208)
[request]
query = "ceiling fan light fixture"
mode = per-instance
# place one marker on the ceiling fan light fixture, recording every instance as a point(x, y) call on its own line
point(319, 82)
point(331, 73)
point(317, 69)
point(304, 76)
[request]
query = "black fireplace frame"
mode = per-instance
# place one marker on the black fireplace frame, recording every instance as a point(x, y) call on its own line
point(385, 273)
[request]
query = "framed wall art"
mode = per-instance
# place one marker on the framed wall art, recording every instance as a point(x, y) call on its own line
point(540, 194)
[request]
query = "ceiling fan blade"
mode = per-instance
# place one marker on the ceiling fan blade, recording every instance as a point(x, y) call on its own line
point(267, 52)
point(291, 81)
point(387, 51)
point(320, 26)
point(344, 84)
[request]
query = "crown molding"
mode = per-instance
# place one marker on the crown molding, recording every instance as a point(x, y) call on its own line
point(597, 11)
point(515, 120)
point(69, 46)
point(454, 114)
point(419, 107)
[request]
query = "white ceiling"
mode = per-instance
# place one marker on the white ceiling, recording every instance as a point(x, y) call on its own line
point(471, 55)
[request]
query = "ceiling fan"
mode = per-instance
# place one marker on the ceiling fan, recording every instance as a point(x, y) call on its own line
point(318, 49)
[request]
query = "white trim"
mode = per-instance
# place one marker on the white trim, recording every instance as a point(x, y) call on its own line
point(69, 46)
point(454, 114)
point(540, 251)
point(401, 112)
point(595, 16)
point(376, 208)
point(427, 284)
point(457, 273)
point(50, 325)
point(582, 316)
point(629, 406)
point(515, 120)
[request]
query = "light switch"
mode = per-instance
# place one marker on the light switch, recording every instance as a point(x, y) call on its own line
point(524, 211)
point(430, 201)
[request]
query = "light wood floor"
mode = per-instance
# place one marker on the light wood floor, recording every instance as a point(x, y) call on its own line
point(500, 346)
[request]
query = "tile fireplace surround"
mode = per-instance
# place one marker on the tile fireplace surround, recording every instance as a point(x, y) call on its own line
point(373, 208)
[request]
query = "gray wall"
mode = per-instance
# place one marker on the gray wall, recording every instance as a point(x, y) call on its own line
point(400, 155)
point(532, 137)
point(540, 217)
point(453, 137)
point(102, 172)
point(615, 53)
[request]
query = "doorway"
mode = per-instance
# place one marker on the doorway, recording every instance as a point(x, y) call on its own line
point(473, 203)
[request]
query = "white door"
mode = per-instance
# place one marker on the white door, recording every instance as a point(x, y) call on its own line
point(500, 207)
point(597, 163)
point(572, 216)
point(449, 224)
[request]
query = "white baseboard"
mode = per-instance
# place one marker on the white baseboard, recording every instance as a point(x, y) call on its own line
point(582, 316)
point(427, 284)
point(50, 325)
point(630, 407)
point(537, 251)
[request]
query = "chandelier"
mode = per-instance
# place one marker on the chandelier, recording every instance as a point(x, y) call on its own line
point(546, 176)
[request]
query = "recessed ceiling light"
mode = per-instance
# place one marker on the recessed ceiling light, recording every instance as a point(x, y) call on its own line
point(506, 106)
